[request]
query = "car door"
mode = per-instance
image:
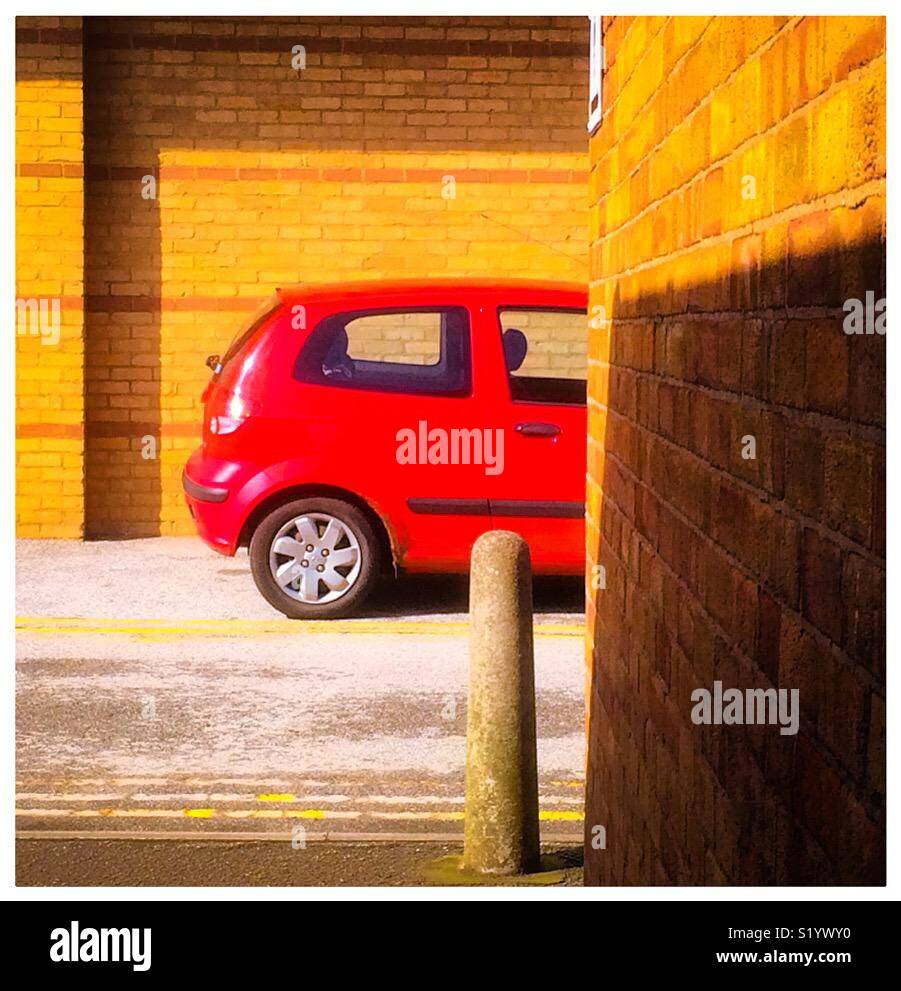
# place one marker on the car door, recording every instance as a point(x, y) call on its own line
point(541, 357)
point(393, 385)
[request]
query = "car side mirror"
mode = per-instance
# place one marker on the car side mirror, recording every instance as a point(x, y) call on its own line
point(212, 362)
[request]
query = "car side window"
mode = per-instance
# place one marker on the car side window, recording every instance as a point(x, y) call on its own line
point(546, 354)
point(418, 351)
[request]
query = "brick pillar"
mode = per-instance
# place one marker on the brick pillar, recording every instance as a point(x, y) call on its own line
point(49, 278)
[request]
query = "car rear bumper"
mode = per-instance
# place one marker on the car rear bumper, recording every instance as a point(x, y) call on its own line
point(211, 487)
point(202, 493)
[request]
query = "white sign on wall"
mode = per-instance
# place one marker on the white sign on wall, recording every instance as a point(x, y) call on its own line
point(595, 71)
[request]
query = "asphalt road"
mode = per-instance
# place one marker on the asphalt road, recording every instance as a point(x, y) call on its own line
point(114, 863)
point(158, 694)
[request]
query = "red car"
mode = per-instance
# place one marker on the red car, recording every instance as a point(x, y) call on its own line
point(353, 429)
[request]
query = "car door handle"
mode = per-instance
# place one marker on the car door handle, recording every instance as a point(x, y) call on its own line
point(538, 429)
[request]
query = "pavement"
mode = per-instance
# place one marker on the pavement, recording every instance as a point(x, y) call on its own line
point(160, 698)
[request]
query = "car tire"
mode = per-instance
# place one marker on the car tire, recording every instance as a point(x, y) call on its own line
point(296, 598)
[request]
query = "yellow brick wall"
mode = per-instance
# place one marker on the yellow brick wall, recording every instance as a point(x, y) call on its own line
point(49, 273)
point(405, 148)
point(737, 202)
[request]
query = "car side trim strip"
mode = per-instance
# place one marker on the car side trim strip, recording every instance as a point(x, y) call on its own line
point(545, 508)
point(204, 493)
point(449, 507)
point(541, 508)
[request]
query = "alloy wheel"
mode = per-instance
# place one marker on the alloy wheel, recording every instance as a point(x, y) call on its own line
point(315, 558)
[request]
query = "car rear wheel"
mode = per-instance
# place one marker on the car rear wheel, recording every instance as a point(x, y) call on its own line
point(315, 558)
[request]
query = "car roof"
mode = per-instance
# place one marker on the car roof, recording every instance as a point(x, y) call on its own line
point(422, 289)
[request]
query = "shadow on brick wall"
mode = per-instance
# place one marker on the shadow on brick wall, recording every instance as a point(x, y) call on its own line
point(756, 572)
point(243, 83)
point(123, 293)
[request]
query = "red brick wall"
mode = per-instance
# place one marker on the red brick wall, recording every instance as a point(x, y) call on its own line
point(725, 320)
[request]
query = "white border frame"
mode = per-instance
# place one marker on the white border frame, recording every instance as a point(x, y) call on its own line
point(406, 8)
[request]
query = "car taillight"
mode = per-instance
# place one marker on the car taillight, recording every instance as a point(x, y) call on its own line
point(236, 410)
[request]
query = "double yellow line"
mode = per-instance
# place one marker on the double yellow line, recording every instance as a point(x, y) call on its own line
point(153, 629)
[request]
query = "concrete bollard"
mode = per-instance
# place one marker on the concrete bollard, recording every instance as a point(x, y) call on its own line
point(501, 830)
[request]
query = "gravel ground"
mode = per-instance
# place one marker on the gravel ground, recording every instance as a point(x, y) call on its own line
point(181, 578)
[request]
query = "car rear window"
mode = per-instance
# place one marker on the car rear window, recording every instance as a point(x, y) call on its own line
point(546, 353)
point(418, 351)
point(250, 327)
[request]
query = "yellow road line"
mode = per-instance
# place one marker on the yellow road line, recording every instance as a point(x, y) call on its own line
point(545, 815)
point(153, 629)
point(185, 814)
